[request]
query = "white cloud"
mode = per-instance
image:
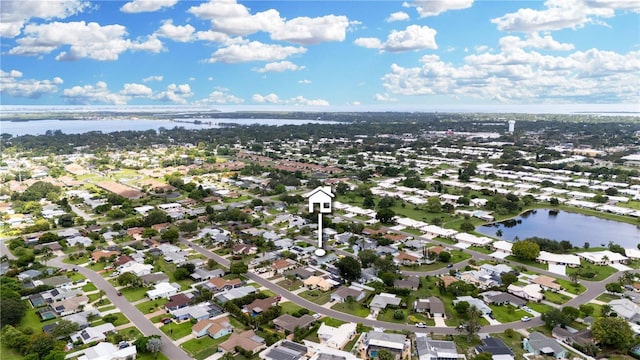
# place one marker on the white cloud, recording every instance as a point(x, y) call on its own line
point(355, 103)
point(304, 81)
point(176, 32)
point(254, 51)
point(219, 97)
point(368, 42)
point(12, 85)
point(384, 98)
point(533, 40)
point(177, 94)
point(298, 100)
point(86, 40)
point(90, 94)
point(562, 14)
point(15, 13)
point(398, 16)
point(138, 6)
point(231, 18)
point(515, 75)
point(307, 31)
point(281, 66)
point(153, 78)
point(212, 36)
point(414, 37)
point(436, 7)
point(136, 90)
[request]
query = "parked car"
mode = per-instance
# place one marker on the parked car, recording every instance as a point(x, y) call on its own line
point(449, 265)
point(525, 319)
point(421, 325)
point(119, 293)
point(166, 320)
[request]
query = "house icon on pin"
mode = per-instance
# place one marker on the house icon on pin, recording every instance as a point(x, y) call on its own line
point(322, 197)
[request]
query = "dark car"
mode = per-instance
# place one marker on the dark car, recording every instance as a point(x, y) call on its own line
point(166, 320)
point(450, 265)
point(119, 293)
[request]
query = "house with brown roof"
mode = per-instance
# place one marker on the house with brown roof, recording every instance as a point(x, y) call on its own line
point(260, 305)
point(405, 258)
point(244, 249)
point(216, 328)
point(122, 261)
point(432, 305)
point(160, 227)
point(289, 323)
point(98, 254)
point(281, 265)
point(448, 280)
point(220, 284)
point(547, 283)
point(247, 340)
point(177, 301)
point(135, 232)
point(436, 249)
point(411, 283)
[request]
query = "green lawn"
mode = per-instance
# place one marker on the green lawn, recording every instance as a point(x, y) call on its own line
point(134, 294)
point(89, 287)
point(121, 320)
point(7, 353)
point(290, 308)
point(514, 342)
point(78, 261)
point(387, 315)
point(607, 297)
point(316, 296)
point(203, 347)
point(332, 322)
point(527, 262)
point(480, 249)
point(151, 305)
point(32, 320)
point(576, 289)
point(97, 266)
point(555, 297)
point(290, 285)
point(107, 308)
point(150, 356)
point(541, 308)
point(176, 331)
point(354, 309)
point(507, 313)
point(456, 257)
point(601, 272)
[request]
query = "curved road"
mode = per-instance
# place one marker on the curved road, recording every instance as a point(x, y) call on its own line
point(169, 348)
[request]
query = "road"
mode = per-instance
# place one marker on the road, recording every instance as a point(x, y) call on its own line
point(169, 348)
point(4, 250)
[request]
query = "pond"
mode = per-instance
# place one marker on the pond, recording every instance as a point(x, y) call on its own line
point(562, 225)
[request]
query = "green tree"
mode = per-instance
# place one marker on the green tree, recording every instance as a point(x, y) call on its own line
point(181, 274)
point(385, 215)
point(555, 317)
point(586, 309)
point(368, 202)
point(613, 332)
point(171, 234)
point(461, 307)
point(614, 287)
point(444, 256)
point(525, 250)
point(349, 268)
point(238, 267)
point(128, 279)
point(467, 226)
point(41, 344)
point(63, 329)
point(154, 345)
point(471, 325)
point(571, 313)
point(433, 205)
point(155, 216)
point(12, 308)
point(508, 278)
point(385, 355)
point(367, 258)
point(65, 220)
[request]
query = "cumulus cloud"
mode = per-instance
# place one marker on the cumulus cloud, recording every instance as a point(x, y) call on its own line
point(562, 14)
point(212, 36)
point(298, 100)
point(231, 18)
point(136, 90)
point(177, 94)
point(516, 75)
point(398, 16)
point(86, 40)
point(90, 94)
point(384, 98)
point(14, 14)
point(534, 40)
point(281, 66)
point(220, 97)
point(176, 32)
point(436, 7)
point(138, 6)
point(153, 78)
point(254, 51)
point(414, 37)
point(11, 84)
point(304, 81)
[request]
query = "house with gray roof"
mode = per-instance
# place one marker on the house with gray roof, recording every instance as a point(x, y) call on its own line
point(502, 298)
point(289, 323)
point(374, 341)
point(284, 350)
point(539, 344)
point(626, 308)
point(29, 275)
point(432, 305)
point(477, 303)
point(382, 300)
point(55, 281)
point(429, 349)
point(235, 293)
point(343, 292)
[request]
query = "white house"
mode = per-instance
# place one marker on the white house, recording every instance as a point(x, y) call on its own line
point(321, 196)
point(558, 259)
point(136, 268)
point(108, 351)
point(605, 257)
point(531, 292)
point(502, 246)
point(95, 333)
point(336, 337)
point(163, 290)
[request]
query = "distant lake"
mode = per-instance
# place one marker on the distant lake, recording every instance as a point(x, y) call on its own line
point(562, 225)
point(40, 127)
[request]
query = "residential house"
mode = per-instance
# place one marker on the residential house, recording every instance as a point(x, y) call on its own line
point(282, 265)
point(69, 306)
point(219, 284)
point(547, 283)
point(198, 312)
point(108, 351)
point(626, 308)
point(407, 259)
point(284, 350)
point(85, 241)
point(495, 347)
point(558, 259)
point(411, 283)
point(530, 292)
point(432, 305)
point(448, 280)
point(299, 273)
point(337, 337)
point(29, 275)
point(289, 323)
point(235, 293)
point(496, 270)
point(429, 349)
point(122, 261)
point(572, 336)
point(604, 257)
point(163, 290)
point(246, 340)
point(317, 282)
point(244, 249)
point(154, 278)
point(204, 274)
point(136, 268)
point(480, 278)
point(177, 301)
point(382, 300)
point(502, 298)
point(539, 344)
point(477, 303)
point(216, 328)
point(178, 257)
point(343, 292)
point(99, 254)
point(94, 333)
point(55, 281)
point(260, 305)
point(60, 294)
point(375, 341)
point(502, 246)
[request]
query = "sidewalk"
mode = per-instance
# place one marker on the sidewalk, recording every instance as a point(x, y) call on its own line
point(440, 321)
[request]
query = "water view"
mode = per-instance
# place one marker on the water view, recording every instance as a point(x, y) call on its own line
point(562, 225)
point(40, 127)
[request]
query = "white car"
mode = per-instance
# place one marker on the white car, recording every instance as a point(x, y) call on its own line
point(421, 325)
point(525, 319)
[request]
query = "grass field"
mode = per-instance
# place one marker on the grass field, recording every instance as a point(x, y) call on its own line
point(556, 298)
point(354, 309)
point(203, 347)
point(506, 313)
point(134, 294)
point(151, 305)
point(576, 289)
point(176, 331)
point(290, 308)
point(290, 285)
point(316, 296)
point(387, 315)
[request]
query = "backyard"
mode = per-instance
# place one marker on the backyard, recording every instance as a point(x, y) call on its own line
point(203, 347)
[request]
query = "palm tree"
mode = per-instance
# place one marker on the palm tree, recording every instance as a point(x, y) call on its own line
point(606, 309)
point(499, 233)
point(101, 293)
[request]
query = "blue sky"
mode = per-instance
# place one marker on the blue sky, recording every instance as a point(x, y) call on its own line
point(320, 53)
